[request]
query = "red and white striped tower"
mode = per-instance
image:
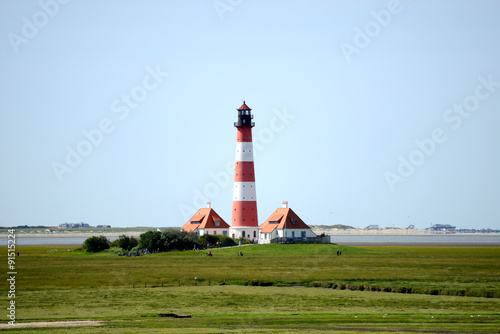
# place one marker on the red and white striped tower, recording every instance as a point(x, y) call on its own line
point(244, 221)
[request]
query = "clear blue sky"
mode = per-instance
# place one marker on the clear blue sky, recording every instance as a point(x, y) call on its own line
point(366, 112)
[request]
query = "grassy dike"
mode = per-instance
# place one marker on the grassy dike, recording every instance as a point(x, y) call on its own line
point(446, 289)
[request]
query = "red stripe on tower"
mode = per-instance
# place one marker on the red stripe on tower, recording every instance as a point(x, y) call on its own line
point(244, 221)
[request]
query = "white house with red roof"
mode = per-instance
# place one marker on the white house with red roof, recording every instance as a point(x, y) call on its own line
point(284, 223)
point(206, 221)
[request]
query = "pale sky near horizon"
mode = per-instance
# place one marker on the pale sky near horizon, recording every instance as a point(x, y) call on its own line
point(366, 112)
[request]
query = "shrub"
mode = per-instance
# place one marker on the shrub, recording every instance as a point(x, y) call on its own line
point(244, 241)
point(96, 244)
point(207, 239)
point(173, 238)
point(169, 239)
point(150, 240)
point(114, 244)
point(226, 241)
point(212, 240)
point(136, 250)
point(126, 243)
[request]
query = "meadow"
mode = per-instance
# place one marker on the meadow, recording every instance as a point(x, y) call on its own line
point(271, 288)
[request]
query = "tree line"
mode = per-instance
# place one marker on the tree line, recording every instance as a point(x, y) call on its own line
point(155, 241)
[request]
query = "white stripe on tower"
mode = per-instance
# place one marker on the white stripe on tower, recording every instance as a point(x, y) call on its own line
point(244, 151)
point(244, 191)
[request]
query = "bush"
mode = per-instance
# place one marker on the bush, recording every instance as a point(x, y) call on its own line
point(96, 244)
point(244, 241)
point(150, 240)
point(176, 239)
point(169, 239)
point(126, 243)
point(136, 250)
point(207, 239)
point(212, 240)
point(226, 241)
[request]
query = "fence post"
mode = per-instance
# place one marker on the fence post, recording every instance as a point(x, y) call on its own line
point(144, 284)
point(179, 282)
point(161, 283)
point(133, 285)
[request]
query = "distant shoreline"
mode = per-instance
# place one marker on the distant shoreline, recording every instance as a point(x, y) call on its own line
point(365, 238)
point(353, 232)
point(75, 234)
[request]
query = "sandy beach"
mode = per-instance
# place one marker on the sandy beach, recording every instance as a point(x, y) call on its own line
point(76, 234)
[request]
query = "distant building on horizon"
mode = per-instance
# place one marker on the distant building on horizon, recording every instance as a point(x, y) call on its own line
point(77, 225)
point(442, 227)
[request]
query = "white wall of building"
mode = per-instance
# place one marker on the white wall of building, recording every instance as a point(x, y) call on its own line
point(295, 233)
point(213, 231)
point(250, 232)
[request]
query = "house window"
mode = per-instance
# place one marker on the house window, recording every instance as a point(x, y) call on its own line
point(217, 223)
point(215, 232)
point(194, 222)
point(224, 233)
point(294, 222)
point(274, 222)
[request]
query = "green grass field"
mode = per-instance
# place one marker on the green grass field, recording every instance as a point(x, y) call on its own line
point(447, 289)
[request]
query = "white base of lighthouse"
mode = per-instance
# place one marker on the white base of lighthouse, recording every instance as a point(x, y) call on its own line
point(250, 232)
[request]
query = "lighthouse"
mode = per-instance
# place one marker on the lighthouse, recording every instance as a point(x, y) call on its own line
point(244, 221)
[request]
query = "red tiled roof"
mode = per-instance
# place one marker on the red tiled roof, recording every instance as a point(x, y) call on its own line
point(284, 217)
point(244, 107)
point(207, 218)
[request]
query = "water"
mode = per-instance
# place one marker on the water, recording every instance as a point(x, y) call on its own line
point(453, 239)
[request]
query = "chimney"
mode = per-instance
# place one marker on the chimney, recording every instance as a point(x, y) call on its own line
point(285, 204)
point(209, 204)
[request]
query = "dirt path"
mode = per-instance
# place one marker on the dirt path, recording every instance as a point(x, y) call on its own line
point(41, 324)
